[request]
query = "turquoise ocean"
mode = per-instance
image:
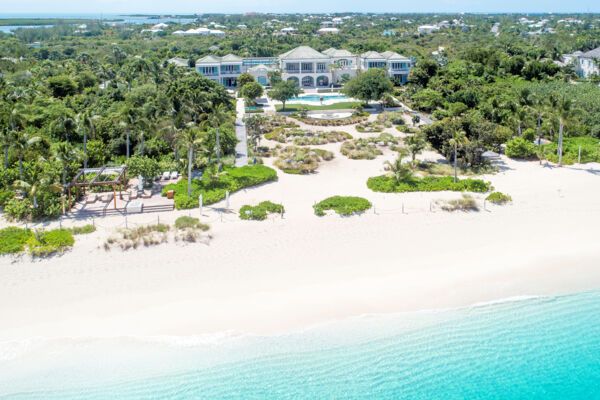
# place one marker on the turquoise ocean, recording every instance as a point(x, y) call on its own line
point(519, 348)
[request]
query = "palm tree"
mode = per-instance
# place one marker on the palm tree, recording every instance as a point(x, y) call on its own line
point(65, 154)
point(156, 72)
point(217, 117)
point(86, 121)
point(254, 125)
point(458, 139)
point(17, 116)
point(105, 72)
point(5, 137)
point(520, 117)
point(66, 124)
point(552, 102)
point(35, 181)
point(127, 74)
point(416, 144)
point(402, 172)
point(190, 138)
point(538, 105)
point(20, 142)
point(129, 119)
point(565, 112)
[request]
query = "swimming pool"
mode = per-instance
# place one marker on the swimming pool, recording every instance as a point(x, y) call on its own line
point(319, 97)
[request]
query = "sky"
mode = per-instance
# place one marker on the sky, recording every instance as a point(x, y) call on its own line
point(31, 7)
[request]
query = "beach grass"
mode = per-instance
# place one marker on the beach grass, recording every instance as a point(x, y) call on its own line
point(465, 203)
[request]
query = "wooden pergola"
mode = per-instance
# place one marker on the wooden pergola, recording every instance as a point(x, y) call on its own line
point(103, 176)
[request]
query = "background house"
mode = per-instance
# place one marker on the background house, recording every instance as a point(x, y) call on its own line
point(585, 64)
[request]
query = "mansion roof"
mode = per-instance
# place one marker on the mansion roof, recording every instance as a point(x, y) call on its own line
point(303, 52)
point(210, 59)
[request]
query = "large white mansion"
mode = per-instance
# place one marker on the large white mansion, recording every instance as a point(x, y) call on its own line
point(305, 66)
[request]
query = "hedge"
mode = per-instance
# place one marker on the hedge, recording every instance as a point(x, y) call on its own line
point(214, 190)
point(343, 205)
point(389, 184)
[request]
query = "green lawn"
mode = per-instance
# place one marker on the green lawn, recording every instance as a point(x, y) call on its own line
point(345, 105)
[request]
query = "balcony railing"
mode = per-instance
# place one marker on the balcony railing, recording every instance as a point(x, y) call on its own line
point(307, 71)
point(292, 71)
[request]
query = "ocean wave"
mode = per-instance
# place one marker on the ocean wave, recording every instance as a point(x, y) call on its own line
point(12, 349)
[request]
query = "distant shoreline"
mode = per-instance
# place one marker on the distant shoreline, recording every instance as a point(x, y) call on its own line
point(49, 21)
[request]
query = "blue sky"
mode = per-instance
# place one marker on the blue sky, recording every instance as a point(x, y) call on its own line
point(233, 6)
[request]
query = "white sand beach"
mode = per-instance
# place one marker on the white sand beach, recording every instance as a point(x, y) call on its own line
point(284, 274)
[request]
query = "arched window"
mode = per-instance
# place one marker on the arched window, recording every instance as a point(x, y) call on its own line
point(293, 79)
point(322, 81)
point(308, 81)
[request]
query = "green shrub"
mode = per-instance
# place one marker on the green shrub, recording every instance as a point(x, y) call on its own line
point(18, 209)
point(13, 239)
point(343, 205)
point(186, 222)
point(518, 147)
point(82, 230)
point(389, 184)
point(590, 150)
point(214, 190)
point(5, 197)
point(46, 243)
point(259, 212)
point(529, 134)
point(498, 198)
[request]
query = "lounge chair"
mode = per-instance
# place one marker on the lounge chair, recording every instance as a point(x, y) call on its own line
point(133, 194)
point(166, 175)
point(135, 207)
point(91, 198)
point(174, 174)
point(107, 198)
point(146, 194)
